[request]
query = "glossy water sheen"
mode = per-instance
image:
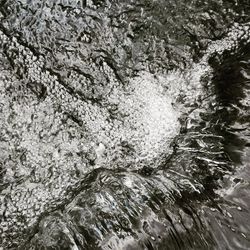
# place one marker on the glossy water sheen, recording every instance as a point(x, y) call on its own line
point(124, 124)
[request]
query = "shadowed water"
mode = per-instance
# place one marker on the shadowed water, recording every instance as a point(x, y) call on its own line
point(124, 125)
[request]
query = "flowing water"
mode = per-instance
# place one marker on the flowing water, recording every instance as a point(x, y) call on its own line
point(124, 124)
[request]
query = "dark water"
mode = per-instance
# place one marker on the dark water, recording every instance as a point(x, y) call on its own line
point(124, 124)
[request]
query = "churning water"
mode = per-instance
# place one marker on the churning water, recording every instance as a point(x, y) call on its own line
point(124, 124)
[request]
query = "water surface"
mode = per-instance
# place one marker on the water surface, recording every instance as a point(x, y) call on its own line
point(124, 124)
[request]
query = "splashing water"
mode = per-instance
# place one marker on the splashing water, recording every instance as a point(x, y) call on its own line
point(118, 136)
